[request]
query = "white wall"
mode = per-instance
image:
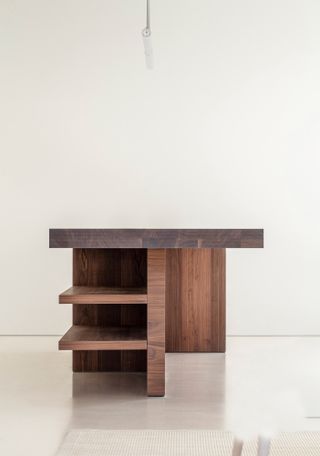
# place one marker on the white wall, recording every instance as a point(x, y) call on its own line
point(223, 133)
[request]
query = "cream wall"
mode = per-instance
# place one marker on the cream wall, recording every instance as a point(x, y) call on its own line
point(223, 133)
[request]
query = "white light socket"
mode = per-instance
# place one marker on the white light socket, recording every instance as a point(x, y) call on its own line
point(148, 51)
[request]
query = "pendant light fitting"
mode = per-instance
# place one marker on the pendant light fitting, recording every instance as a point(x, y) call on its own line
point(146, 37)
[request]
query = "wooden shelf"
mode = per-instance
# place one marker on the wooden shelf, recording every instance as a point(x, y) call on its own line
point(103, 295)
point(104, 338)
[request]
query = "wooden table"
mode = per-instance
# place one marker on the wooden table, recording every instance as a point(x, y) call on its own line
point(138, 293)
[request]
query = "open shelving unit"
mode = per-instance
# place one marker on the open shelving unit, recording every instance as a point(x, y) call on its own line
point(139, 292)
point(114, 319)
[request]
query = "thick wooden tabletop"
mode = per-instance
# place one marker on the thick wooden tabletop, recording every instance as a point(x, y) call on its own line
point(155, 238)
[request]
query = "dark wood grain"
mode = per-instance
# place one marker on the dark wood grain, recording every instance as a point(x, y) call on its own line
point(109, 360)
point(195, 300)
point(115, 287)
point(104, 338)
point(156, 322)
point(218, 291)
point(109, 268)
point(156, 238)
point(104, 295)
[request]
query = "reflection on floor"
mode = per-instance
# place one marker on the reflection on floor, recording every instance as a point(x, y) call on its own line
point(261, 383)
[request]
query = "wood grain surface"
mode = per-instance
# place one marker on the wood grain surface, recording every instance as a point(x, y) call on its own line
point(156, 322)
point(109, 268)
point(195, 300)
point(156, 238)
point(104, 338)
point(104, 295)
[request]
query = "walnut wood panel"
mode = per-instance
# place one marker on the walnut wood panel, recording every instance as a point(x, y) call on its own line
point(156, 322)
point(109, 361)
point(104, 338)
point(109, 268)
point(195, 300)
point(156, 238)
point(104, 295)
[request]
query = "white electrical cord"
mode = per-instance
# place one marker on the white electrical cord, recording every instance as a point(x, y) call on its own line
point(147, 43)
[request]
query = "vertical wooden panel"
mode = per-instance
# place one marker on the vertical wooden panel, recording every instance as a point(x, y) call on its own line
point(195, 300)
point(218, 296)
point(156, 322)
point(133, 274)
point(109, 267)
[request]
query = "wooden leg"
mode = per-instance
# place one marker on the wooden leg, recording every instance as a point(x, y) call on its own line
point(195, 300)
point(156, 322)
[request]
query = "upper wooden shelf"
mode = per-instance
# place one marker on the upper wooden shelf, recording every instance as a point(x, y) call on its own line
point(156, 238)
point(103, 295)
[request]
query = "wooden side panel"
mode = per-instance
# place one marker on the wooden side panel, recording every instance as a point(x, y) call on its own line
point(195, 300)
point(218, 291)
point(109, 268)
point(156, 322)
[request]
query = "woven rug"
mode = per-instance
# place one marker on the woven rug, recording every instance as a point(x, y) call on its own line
point(89, 442)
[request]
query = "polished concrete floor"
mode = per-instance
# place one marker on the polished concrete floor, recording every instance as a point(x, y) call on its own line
point(261, 383)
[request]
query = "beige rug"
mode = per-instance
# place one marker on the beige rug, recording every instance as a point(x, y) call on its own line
point(88, 442)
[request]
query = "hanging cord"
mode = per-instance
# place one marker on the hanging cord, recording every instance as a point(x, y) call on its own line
point(147, 31)
point(148, 15)
point(146, 35)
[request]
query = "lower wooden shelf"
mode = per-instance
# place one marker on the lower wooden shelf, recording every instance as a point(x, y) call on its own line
point(104, 295)
point(104, 338)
